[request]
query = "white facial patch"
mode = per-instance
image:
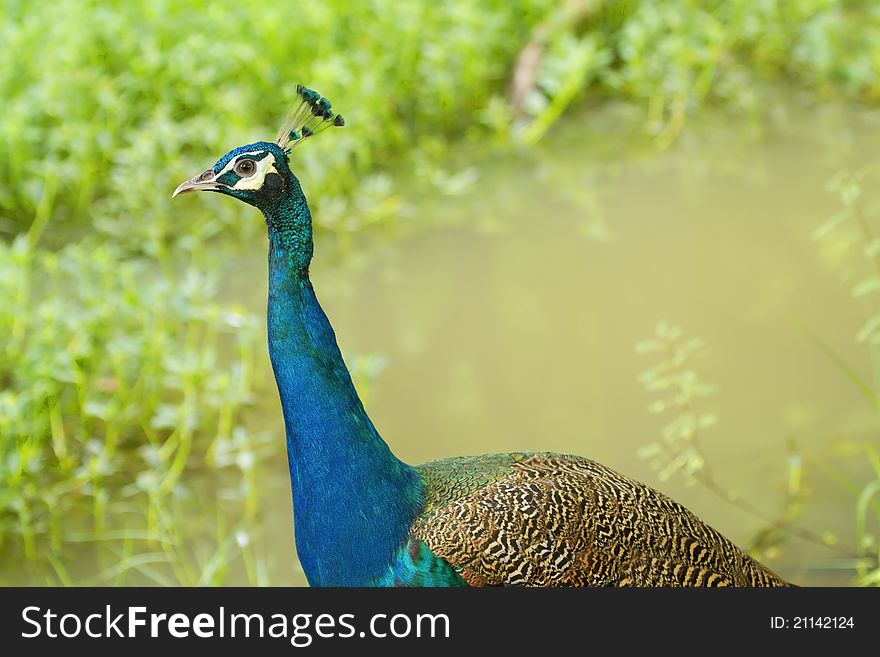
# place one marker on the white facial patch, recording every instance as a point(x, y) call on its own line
point(264, 166)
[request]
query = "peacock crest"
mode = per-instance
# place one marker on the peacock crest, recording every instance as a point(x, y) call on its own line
point(313, 114)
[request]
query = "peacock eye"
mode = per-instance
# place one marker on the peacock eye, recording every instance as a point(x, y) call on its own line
point(245, 167)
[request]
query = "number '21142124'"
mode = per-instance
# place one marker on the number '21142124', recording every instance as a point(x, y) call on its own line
point(811, 622)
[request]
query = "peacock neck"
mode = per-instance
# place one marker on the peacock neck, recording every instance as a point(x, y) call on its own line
point(353, 499)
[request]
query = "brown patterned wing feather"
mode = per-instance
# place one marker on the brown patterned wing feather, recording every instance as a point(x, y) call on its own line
point(556, 520)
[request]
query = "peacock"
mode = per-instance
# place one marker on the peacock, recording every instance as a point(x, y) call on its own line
point(363, 517)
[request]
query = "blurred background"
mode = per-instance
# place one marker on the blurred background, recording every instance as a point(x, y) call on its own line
point(644, 232)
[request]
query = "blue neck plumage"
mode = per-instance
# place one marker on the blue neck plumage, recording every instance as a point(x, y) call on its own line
point(353, 499)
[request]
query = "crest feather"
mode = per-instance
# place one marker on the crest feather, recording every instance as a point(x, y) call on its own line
point(313, 114)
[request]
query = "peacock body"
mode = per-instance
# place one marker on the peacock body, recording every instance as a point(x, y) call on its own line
point(365, 518)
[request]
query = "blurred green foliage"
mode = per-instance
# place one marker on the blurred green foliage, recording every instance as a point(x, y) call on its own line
point(678, 389)
point(119, 365)
point(108, 386)
point(849, 236)
point(678, 54)
point(853, 248)
point(127, 99)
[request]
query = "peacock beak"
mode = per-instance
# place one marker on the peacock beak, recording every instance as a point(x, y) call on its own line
point(203, 182)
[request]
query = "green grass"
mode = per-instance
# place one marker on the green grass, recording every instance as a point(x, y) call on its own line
point(115, 377)
point(125, 101)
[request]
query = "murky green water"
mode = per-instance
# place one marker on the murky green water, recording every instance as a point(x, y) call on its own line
point(510, 323)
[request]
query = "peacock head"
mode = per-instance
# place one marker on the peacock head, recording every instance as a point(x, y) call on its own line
point(259, 173)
